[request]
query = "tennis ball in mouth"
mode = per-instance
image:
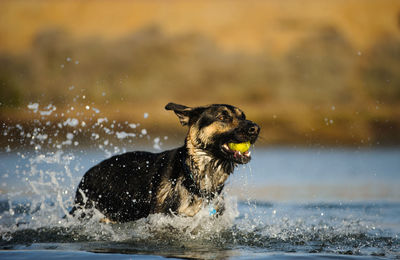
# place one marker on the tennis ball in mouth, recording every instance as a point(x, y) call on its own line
point(241, 147)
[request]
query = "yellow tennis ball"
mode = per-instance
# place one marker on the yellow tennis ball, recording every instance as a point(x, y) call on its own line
point(241, 147)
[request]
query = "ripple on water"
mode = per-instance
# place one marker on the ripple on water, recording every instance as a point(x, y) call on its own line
point(176, 236)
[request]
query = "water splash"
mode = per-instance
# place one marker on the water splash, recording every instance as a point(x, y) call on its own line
point(41, 186)
point(47, 163)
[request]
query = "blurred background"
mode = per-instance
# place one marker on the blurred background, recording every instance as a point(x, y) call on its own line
point(310, 72)
point(82, 80)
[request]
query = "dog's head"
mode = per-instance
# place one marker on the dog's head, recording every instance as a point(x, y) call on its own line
point(215, 128)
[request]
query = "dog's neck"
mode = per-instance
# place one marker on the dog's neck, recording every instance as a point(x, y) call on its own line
point(208, 173)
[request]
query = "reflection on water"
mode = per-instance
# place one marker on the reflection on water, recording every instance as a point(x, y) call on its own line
point(321, 175)
point(274, 174)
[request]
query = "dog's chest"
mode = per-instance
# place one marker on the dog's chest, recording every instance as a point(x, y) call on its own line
point(209, 173)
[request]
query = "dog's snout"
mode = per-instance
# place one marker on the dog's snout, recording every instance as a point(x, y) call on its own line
point(253, 129)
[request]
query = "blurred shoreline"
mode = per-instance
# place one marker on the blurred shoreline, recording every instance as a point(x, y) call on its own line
point(124, 125)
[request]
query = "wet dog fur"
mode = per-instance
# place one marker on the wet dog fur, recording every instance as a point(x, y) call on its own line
point(181, 181)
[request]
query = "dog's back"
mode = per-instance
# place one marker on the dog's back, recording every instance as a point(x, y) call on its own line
point(123, 187)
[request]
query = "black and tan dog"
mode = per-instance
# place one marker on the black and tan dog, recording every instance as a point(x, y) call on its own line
point(182, 181)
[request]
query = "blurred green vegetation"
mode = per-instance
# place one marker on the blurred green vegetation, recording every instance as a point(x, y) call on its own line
point(321, 91)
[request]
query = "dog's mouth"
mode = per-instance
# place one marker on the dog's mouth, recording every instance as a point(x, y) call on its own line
point(238, 152)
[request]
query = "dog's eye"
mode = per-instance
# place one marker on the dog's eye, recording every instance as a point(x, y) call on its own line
point(223, 118)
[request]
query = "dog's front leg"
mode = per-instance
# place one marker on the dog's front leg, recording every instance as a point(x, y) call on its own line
point(217, 206)
point(190, 206)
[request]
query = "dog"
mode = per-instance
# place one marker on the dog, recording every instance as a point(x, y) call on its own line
point(181, 181)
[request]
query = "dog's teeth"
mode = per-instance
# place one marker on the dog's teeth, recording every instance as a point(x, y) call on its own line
point(226, 147)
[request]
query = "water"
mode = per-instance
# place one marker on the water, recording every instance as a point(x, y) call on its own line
point(288, 202)
point(37, 189)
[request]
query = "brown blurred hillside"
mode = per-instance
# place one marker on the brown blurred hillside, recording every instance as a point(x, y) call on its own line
point(251, 25)
point(310, 72)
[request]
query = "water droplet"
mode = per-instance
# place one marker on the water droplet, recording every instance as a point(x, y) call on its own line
point(33, 106)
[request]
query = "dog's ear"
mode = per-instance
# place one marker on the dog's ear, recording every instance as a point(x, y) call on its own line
point(185, 114)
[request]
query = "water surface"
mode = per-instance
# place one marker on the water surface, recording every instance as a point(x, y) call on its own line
point(305, 203)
